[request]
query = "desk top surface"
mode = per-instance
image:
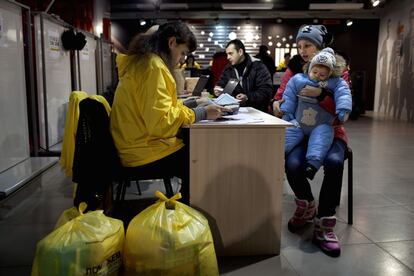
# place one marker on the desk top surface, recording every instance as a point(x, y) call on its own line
point(252, 118)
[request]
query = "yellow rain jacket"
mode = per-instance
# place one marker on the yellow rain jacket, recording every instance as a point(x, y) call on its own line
point(146, 115)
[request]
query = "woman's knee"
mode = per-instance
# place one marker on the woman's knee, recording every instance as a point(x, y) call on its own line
point(334, 162)
point(293, 165)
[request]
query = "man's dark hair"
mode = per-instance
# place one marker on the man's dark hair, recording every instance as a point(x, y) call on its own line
point(263, 50)
point(237, 44)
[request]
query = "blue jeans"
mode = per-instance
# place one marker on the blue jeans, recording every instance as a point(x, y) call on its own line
point(332, 182)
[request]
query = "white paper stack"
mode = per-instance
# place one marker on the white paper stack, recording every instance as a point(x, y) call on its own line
point(226, 99)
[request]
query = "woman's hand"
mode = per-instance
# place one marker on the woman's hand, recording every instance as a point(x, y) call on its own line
point(203, 101)
point(215, 111)
point(310, 91)
point(276, 108)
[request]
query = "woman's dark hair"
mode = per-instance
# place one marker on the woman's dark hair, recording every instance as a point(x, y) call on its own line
point(190, 57)
point(157, 42)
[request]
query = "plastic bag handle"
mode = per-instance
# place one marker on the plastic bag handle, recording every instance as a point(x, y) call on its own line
point(82, 207)
point(169, 202)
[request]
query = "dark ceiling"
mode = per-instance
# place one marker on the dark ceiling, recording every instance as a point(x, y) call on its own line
point(128, 9)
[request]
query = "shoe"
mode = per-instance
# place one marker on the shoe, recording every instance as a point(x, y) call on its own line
point(310, 172)
point(324, 236)
point(304, 214)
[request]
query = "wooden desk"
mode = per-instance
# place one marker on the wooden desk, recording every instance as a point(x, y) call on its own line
point(236, 174)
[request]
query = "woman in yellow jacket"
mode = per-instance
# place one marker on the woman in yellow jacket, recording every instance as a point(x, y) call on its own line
point(146, 115)
point(190, 63)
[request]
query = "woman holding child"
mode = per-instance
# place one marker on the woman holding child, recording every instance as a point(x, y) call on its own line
point(310, 40)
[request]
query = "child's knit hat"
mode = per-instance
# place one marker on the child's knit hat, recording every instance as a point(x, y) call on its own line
point(326, 57)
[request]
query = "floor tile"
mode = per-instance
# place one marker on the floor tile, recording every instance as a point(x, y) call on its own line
point(403, 251)
point(18, 243)
point(15, 270)
point(385, 224)
point(263, 266)
point(359, 259)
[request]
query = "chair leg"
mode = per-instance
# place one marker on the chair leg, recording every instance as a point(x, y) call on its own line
point(350, 187)
point(138, 187)
point(124, 188)
point(168, 187)
point(119, 190)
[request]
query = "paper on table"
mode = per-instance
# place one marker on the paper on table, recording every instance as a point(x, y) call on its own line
point(243, 118)
point(235, 119)
point(225, 99)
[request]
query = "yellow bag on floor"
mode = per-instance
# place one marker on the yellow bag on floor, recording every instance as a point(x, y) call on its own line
point(90, 244)
point(66, 216)
point(169, 238)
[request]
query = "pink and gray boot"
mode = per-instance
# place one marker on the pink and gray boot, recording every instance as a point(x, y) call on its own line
point(304, 214)
point(324, 236)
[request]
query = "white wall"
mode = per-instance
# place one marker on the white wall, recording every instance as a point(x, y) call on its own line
point(14, 137)
point(102, 9)
point(394, 87)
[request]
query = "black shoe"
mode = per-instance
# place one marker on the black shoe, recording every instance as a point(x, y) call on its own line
point(310, 172)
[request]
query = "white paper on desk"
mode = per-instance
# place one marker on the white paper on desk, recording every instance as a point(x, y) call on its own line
point(243, 110)
point(242, 118)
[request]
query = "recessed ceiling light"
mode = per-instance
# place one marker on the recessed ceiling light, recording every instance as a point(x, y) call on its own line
point(375, 2)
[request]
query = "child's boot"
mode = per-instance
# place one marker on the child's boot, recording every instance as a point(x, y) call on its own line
point(324, 236)
point(305, 212)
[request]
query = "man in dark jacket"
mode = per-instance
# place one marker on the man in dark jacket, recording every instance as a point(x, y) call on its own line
point(267, 59)
point(255, 86)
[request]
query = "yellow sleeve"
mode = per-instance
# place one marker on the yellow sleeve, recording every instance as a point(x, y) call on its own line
point(162, 112)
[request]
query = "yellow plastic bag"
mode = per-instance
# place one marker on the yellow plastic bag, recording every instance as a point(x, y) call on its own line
point(66, 216)
point(90, 244)
point(169, 238)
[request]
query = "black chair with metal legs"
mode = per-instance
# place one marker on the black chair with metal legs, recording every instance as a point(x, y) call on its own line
point(140, 173)
point(349, 157)
point(96, 163)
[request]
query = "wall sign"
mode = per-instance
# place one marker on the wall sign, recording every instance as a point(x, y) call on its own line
point(53, 44)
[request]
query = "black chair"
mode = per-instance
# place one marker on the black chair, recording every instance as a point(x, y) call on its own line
point(349, 157)
point(141, 173)
point(96, 164)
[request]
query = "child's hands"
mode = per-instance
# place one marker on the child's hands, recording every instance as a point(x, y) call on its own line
point(276, 108)
point(310, 91)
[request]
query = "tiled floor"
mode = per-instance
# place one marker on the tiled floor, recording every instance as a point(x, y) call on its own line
point(380, 242)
